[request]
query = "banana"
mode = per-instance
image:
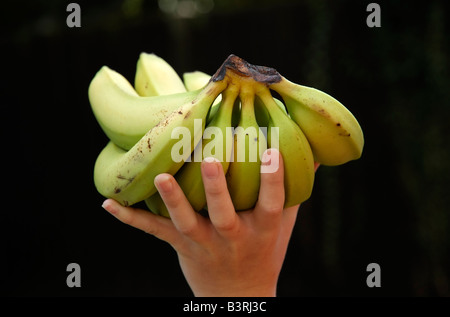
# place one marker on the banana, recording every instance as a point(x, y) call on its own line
point(285, 135)
point(142, 125)
point(125, 116)
point(262, 115)
point(333, 132)
point(156, 205)
point(217, 143)
point(128, 176)
point(155, 77)
point(197, 80)
point(243, 175)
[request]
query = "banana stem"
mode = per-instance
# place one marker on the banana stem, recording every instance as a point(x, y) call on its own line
point(248, 109)
point(229, 96)
point(267, 100)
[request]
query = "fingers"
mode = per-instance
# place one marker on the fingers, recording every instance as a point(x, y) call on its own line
point(160, 227)
point(220, 207)
point(185, 219)
point(269, 207)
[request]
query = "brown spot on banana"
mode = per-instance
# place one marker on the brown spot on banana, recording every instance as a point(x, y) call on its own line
point(129, 179)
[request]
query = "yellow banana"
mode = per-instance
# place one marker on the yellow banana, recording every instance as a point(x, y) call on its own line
point(155, 77)
point(125, 116)
point(285, 135)
point(243, 175)
point(128, 178)
point(262, 115)
point(332, 131)
point(217, 143)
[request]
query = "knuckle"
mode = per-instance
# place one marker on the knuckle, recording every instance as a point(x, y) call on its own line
point(214, 189)
point(273, 180)
point(228, 225)
point(276, 179)
point(273, 209)
point(128, 218)
point(173, 200)
point(187, 229)
point(152, 230)
point(225, 227)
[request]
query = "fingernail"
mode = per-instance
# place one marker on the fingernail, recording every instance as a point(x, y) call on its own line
point(269, 155)
point(163, 183)
point(210, 168)
point(107, 206)
point(270, 161)
point(265, 160)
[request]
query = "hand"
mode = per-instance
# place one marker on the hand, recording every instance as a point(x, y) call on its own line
point(229, 254)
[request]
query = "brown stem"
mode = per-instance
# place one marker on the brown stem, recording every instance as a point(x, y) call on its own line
point(262, 74)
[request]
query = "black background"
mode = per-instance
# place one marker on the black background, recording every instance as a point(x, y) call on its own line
point(390, 207)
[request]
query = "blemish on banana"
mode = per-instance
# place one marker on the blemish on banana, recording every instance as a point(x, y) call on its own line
point(125, 178)
point(321, 111)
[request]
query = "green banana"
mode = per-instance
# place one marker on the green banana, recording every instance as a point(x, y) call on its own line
point(189, 176)
point(197, 80)
point(285, 135)
point(128, 177)
point(155, 77)
point(156, 205)
point(243, 175)
point(125, 116)
point(142, 126)
point(332, 131)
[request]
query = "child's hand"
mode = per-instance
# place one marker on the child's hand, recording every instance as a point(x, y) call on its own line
point(229, 254)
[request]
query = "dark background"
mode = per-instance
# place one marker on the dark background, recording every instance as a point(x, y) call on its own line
point(390, 207)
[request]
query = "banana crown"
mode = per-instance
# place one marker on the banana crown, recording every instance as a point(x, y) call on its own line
point(164, 124)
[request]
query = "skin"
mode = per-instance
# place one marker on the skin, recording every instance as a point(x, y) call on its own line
point(229, 254)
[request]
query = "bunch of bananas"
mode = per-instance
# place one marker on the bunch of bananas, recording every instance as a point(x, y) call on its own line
point(168, 125)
